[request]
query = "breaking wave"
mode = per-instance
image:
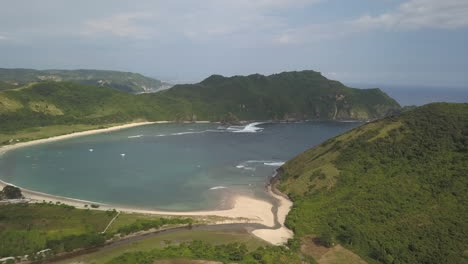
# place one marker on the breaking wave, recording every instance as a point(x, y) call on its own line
point(187, 133)
point(218, 187)
point(245, 165)
point(250, 128)
point(275, 164)
point(136, 136)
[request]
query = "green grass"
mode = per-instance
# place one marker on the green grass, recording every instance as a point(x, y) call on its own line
point(26, 228)
point(29, 228)
point(160, 241)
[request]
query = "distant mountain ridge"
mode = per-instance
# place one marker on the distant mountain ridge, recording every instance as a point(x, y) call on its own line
point(288, 96)
point(123, 81)
point(284, 96)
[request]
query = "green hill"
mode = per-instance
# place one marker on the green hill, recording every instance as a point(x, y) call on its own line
point(124, 81)
point(29, 112)
point(393, 191)
point(67, 103)
point(284, 96)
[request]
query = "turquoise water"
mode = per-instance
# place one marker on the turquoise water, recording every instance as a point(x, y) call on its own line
point(165, 166)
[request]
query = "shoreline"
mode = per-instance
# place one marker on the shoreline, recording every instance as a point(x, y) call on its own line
point(243, 209)
point(6, 148)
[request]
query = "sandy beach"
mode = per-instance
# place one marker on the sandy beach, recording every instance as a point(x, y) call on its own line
point(6, 148)
point(244, 209)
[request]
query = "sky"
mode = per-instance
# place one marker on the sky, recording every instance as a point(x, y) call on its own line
point(391, 42)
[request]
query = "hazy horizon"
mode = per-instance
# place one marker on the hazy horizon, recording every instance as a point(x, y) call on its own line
point(395, 42)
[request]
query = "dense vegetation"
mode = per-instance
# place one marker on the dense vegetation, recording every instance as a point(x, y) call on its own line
point(284, 96)
point(30, 228)
point(394, 191)
point(10, 192)
point(227, 253)
point(124, 81)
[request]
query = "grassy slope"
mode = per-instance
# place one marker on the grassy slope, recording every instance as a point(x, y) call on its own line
point(27, 228)
point(124, 81)
point(212, 237)
point(394, 191)
point(64, 103)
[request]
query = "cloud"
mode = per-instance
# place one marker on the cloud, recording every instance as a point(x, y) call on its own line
point(120, 25)
point(418, 14)
point(265, 4)
point(197, 20)
point(411, 15)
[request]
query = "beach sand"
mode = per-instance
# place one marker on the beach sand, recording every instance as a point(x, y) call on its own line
point(244, 209)
point(6, 148)
point(279, 235)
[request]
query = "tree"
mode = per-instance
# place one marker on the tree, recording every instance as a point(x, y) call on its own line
point(11, 192)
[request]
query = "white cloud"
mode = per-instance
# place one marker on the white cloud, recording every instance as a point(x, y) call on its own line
point(417, 14)
point(121, 25)
point(197, 20)
point(255, 4)
point(255, 22)
point(411, 15)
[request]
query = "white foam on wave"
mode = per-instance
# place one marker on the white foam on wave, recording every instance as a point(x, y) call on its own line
point(187, 133)
point(136, 136)
point(250, 128)
point(349, 121)
point(258, 161)
point(275, 164)
point(218, 187)
point(244, 167)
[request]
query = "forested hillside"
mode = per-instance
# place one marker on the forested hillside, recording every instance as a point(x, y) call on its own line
point(29, 110)
point(288, 95)
point(393, 191)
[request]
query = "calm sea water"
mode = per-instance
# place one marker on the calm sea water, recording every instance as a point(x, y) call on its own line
point(165, 166)
point(421, 95)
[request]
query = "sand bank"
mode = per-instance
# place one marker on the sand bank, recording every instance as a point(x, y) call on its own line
point(281, 234)
point(6, 148)
point(244, 209)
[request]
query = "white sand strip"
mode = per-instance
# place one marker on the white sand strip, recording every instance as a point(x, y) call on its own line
point(6, 148)
point(280, 235)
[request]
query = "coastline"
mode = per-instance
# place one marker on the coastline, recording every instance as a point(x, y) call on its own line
point(281, 234)
point(243, 209)
point(6, 148)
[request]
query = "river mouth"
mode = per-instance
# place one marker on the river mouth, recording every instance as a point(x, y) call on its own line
point(172, 167)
